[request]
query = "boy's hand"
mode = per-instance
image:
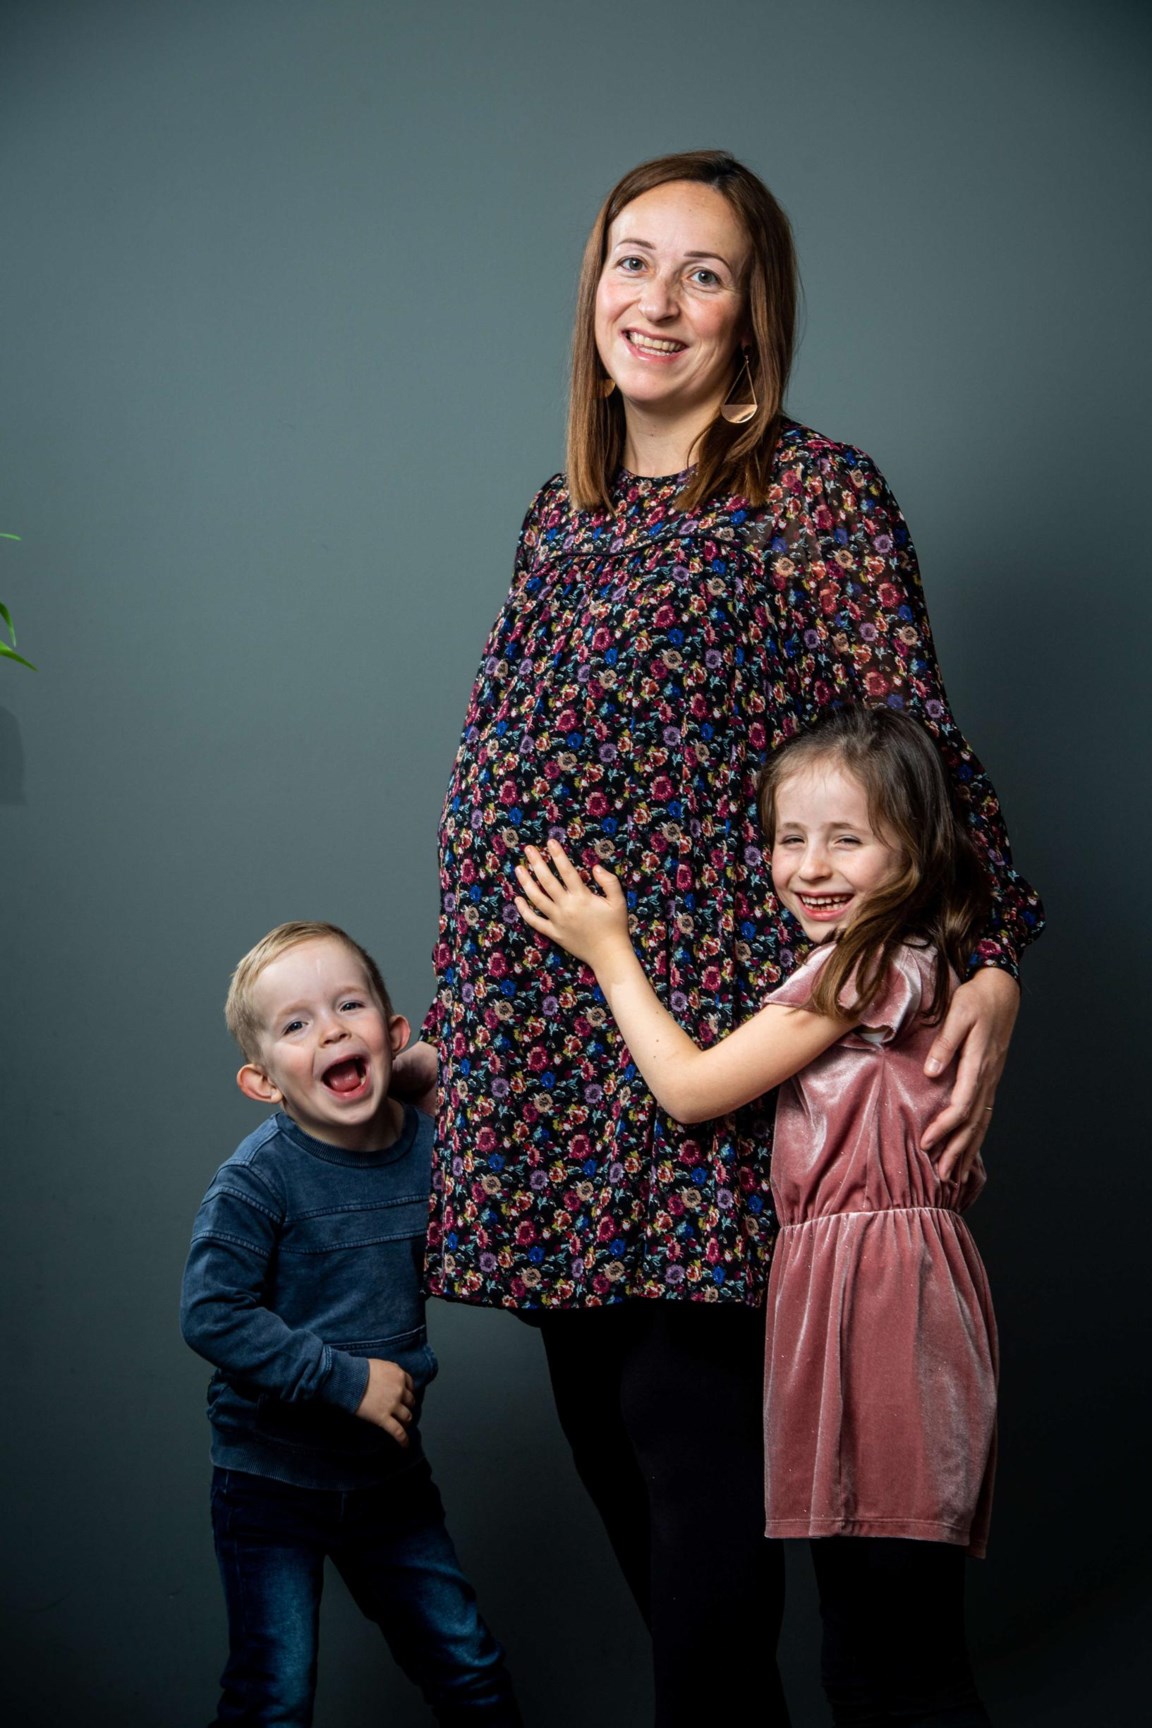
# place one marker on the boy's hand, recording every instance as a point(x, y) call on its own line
point(559, 903)
point(415, 1076)
point(389, 1400)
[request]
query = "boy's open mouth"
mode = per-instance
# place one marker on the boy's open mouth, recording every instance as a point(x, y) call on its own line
point(346, 1076)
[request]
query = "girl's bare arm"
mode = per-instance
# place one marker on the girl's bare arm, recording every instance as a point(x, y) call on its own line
point(691, 1084)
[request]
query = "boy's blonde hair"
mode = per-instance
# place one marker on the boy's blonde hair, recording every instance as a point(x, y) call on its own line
point(239, 1009)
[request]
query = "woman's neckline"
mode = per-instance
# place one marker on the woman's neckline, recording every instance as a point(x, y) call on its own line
point(630, 477)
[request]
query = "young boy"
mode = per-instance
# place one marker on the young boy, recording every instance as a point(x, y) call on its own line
point(303, 1287)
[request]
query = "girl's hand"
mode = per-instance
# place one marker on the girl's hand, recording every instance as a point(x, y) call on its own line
point(558, 902)
point(691, 1084)
point(979, 1026)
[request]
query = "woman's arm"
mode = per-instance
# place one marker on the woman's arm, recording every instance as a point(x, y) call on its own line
point(691, 1084)
point(851, 585)
point(978, 1026)
point(489, 687)
point(859, 632)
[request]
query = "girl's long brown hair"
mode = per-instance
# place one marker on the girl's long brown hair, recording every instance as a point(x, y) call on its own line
point(941, 895)
point(728, 459)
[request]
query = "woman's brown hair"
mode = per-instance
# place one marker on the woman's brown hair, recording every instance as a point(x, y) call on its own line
point(728, 459)
point(941, 894)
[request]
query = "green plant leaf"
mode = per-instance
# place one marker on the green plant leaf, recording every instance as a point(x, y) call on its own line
point(7, 653)
point(9, 536)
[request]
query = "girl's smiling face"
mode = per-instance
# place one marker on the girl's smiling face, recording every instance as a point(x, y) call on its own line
point(826, 856)
point(670, 310)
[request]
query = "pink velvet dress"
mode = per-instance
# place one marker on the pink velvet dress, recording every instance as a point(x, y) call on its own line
point(880, 1389)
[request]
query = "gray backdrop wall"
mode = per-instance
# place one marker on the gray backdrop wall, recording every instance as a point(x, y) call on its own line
point(287, 289)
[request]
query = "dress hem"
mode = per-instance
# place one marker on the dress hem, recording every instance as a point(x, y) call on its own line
point(912, 1529)
point(753, 1299)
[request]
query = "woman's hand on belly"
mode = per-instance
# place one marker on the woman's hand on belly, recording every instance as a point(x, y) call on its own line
point(977, 1029)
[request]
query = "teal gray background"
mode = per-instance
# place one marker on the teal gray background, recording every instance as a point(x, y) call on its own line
point(286, 291)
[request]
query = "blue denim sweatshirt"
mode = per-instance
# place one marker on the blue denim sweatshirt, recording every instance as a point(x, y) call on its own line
point(305, 1261)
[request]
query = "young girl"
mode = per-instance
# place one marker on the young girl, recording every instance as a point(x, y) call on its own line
point(880, 1385)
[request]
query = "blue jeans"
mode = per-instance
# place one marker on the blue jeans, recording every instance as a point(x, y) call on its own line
point(391, 1547)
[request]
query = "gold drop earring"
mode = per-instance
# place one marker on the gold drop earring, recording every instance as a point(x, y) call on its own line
point(739, 413)
point(605, 386)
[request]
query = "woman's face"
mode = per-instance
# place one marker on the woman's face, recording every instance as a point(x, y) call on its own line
point(670, 310)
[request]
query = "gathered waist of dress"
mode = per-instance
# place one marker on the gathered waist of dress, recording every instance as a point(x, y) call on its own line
point(864, 1212)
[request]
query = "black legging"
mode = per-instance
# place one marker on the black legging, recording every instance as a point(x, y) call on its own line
point(661, 1403)
point(894, 1654)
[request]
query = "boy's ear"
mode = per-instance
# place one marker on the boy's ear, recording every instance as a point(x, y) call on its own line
point(255, 1084)
point(399, 1032)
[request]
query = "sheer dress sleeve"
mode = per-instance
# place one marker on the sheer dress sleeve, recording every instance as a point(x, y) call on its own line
point(533, 527)
point(856, 629)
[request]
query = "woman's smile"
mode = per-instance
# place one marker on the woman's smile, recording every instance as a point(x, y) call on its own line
point(654, 347)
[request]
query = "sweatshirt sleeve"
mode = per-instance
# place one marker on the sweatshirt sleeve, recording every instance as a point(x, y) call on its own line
point(223, 1311)
point(858, 631)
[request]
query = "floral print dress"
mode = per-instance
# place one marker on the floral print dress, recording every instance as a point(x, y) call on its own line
point(643, 666)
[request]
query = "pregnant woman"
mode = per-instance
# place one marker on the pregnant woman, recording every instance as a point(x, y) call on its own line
point(704, 579)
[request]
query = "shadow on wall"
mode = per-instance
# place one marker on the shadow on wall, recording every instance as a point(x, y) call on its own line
point(11, 760)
